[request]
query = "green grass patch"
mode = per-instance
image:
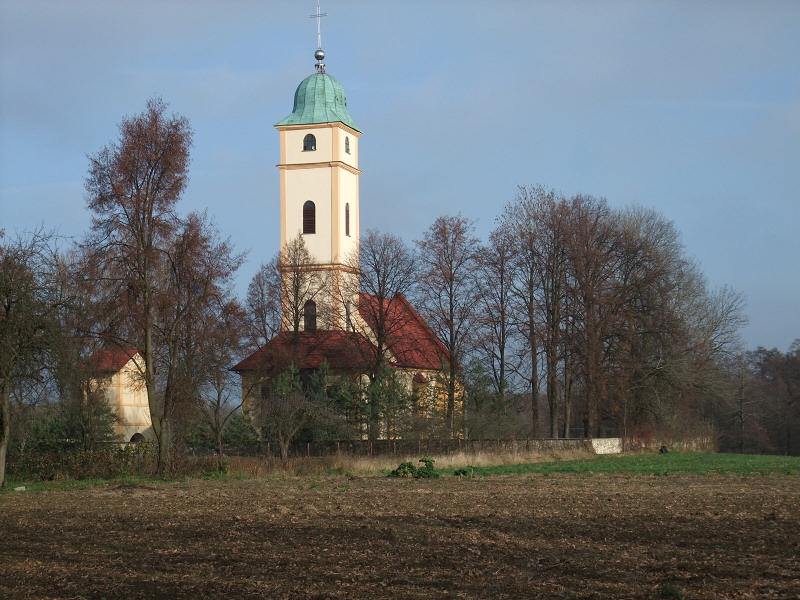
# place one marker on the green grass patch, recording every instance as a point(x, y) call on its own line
point(674, 463)
point(653, 464)
point(67, 485)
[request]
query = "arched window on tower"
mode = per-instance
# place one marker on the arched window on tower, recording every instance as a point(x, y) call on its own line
point(310, 316)
point(309, 217)
point(309, 143)
point(347, 219)
point(347, 144)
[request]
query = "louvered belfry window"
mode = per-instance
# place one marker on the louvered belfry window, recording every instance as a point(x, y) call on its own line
point(309, 217)
point(309, 143)
point(347, 219)
point(310, 316)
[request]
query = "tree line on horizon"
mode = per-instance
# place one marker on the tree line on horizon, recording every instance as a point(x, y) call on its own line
point(573, 319)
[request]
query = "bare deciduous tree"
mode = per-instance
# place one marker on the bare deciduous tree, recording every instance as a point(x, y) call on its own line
point(157, 272)
point(777, 385)
point(223, 329)
point(303, 285)
point(287, 407)
point(385, 268)
point(28, 319)
point(493, 318)
point(534, 224)
point(264, 303)
point(133, 188)
point(448, 294)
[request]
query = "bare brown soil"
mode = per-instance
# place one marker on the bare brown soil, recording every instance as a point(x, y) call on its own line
point(334, 537)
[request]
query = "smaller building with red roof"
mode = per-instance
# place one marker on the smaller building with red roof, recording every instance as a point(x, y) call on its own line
point(116, 374)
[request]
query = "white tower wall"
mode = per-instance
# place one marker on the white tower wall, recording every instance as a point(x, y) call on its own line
point(328, 177)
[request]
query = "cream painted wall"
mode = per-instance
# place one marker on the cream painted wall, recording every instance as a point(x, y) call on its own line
point(126, 394)
point(295, 155)
point(339, 136)
point(330, 145)
point(348, 193)
point(310, 184)
point(327, 176)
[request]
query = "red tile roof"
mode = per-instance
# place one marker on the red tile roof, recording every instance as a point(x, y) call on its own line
point(340, 349)
point(108, 361)
point(410, 340)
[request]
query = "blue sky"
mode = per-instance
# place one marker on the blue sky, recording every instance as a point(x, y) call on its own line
point(692, 108)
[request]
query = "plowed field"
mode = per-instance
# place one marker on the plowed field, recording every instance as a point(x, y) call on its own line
point(605, 536)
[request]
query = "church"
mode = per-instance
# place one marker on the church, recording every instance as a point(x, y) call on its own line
point(333, 323)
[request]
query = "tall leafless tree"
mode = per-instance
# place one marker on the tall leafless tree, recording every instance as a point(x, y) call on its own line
point(447, 292)
point(777, 385)
point(224, 331)
point(386, 273)
point(301, 283)
point(133, 188)
point(264, 303)
point(196, 303)
point(592, 263)
point(29, 307)
point(157, 270)
point(385, 269)
point(524, 221)
point(493, 318)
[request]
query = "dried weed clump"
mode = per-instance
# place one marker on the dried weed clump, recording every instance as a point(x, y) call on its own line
point(505, 457)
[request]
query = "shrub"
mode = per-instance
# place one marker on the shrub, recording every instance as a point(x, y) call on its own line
point(407, 469)
point(105, 462)
point(427, 472)
point(468, 472)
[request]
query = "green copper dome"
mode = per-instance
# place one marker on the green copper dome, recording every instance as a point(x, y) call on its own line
point(319, 99)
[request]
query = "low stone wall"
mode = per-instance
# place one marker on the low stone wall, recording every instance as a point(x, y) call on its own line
point(440, 447)
point(696, 444)
point(419, 447)
point(607, 445)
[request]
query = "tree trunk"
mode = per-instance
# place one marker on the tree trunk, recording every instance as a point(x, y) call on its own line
point(451, 375)
point(534, 379)
point(284, 446)
point(220, 455)
point(164, 465)
point(592, 372)
point(567, 401)
point(451, 402)
point(552, 385)
point(5, 417)
point(534, 395)
point(217, 426)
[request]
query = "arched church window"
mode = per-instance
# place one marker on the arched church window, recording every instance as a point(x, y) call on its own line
point(347, 219)
point(310, 316)
point(347, 144)
point(347, 316)
point(309, 217)
point(309, 143)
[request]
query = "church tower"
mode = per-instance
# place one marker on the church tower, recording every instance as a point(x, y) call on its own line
point(319, 194)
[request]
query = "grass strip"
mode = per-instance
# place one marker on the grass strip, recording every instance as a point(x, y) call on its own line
point(673, 463)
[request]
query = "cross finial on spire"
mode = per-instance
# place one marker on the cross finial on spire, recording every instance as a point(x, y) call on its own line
point(319, 54)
